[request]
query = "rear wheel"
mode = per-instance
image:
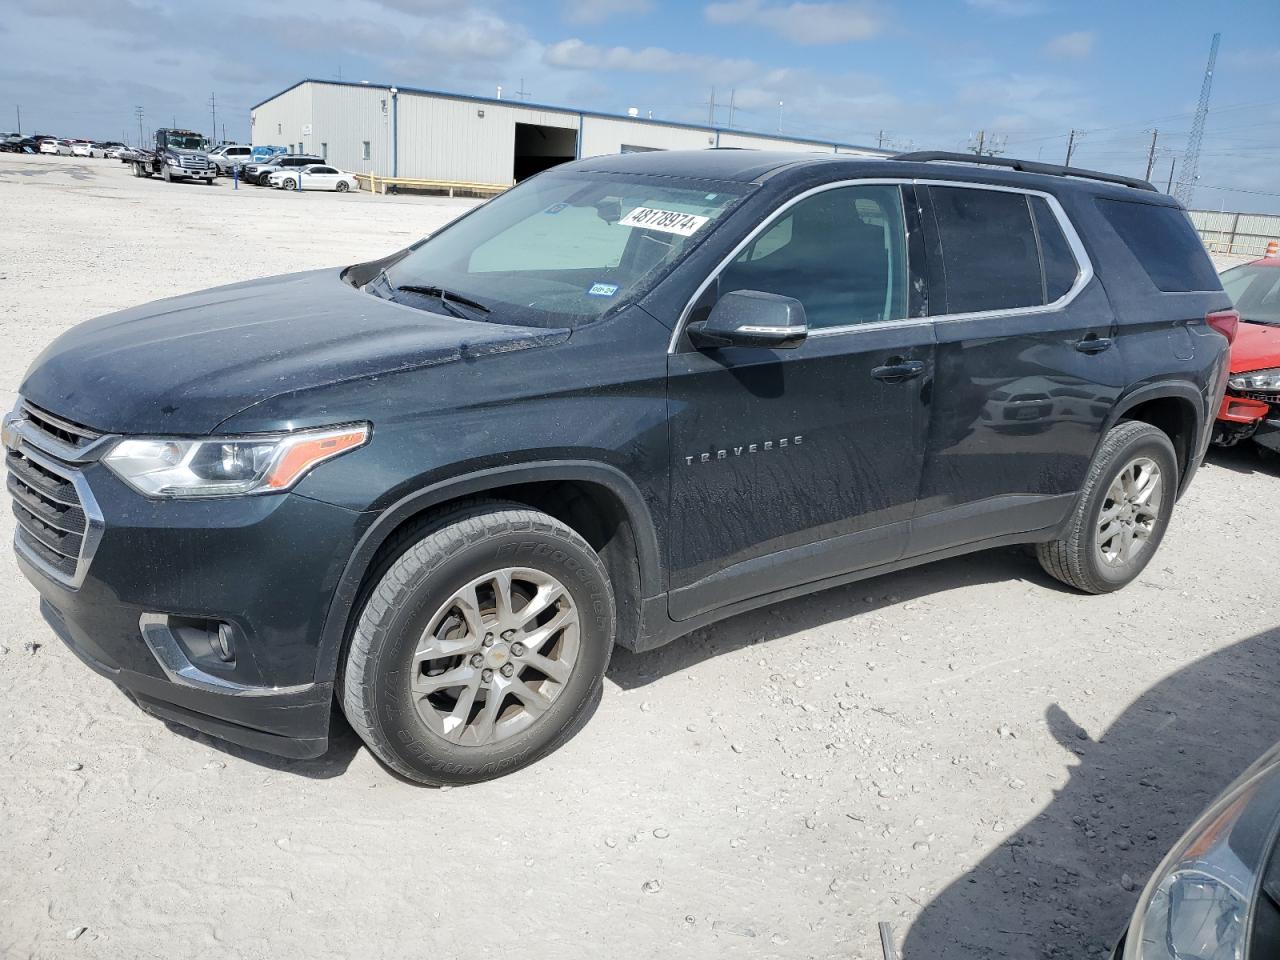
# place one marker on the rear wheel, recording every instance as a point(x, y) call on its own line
point(342, 186)
point(482, 646)
point(1122, 512)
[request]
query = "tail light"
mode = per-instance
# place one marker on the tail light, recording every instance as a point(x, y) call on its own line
point(1226, 322)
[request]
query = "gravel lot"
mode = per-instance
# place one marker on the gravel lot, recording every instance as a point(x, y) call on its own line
point(968, 751)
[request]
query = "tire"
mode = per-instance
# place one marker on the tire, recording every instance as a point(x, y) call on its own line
point(288, 183)
point(137, 169)
point(342, 186)
point(1099, 559)
point(493, 721)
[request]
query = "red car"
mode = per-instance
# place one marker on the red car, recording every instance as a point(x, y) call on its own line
point(1251, 407)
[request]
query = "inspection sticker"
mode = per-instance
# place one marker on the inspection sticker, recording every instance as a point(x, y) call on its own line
point(665, 221)
point(602, 290)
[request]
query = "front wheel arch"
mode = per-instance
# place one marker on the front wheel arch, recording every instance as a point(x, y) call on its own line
point(555, 487)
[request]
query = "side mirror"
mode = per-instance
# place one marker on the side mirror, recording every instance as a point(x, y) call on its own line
point(751, 318)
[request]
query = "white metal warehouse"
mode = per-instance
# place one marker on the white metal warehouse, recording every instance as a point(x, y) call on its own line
point(391, 131)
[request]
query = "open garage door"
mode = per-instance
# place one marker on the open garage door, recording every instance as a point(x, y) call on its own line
point(539, 147)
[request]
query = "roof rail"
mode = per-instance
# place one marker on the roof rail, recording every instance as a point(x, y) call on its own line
point(1024, 166)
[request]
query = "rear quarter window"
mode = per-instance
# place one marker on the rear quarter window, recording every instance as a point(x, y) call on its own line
point(1164, 243)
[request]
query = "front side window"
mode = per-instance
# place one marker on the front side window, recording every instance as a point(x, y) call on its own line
point(840, 252)
point(561, 249)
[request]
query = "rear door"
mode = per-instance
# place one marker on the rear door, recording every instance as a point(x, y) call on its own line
point(320, 178)
point(792, 466)
point(1026, 368)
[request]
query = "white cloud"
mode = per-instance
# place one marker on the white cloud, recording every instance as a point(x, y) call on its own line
point(597, 11)
point(574, 54)
point(801, 22)
point(1070, 46)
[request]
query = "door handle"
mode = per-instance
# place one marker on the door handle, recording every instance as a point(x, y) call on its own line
point(1093, 344)
point(898, 370)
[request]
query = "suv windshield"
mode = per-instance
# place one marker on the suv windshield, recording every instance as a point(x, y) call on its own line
point(564, 248)
point(1255, 291)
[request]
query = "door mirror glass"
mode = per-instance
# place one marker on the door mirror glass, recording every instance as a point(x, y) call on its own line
point(751, 318)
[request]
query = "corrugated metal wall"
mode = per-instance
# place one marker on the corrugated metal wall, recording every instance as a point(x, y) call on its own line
point(461, 139)
point(281, 121)
point(602, 136)
point(1246, 234)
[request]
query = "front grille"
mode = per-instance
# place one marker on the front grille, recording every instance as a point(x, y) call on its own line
point(194, 163)
point(73, 434)
point(1271, 398)
point(51, 518)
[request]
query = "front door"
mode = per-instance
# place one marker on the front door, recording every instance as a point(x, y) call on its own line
point(792, 466)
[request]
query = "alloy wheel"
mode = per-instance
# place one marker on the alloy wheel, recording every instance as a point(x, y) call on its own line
point(495, 656)
point(1130, 512)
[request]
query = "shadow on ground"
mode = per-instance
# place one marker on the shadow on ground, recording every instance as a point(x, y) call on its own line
point(1246, 458)
point(1065, 884)
point(344, 744)
point(630, 670)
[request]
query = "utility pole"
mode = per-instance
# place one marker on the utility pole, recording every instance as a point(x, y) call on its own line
point(1173, 162)
point(138, 112)
point(19, 106)
point(1151, 154)
point(1071, 144)
point(779, 116)
point(711, 109)
point(1191, 159)
point(732, 93)
point(982, 138)
point(522, 93)
point(880, 141)
point(213, 109)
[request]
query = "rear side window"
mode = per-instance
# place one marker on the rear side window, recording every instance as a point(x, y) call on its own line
point(989, 250)
point(1060, 266)
point(1164, 243)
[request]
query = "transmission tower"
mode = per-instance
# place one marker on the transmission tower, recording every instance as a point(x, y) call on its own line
point(1186, 187)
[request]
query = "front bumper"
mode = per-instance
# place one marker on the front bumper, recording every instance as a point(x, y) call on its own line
point(266, 566)
point(1268, 434)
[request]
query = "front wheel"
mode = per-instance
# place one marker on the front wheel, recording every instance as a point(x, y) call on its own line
point(481, 647)
point(289, 184)
point(1122, 512)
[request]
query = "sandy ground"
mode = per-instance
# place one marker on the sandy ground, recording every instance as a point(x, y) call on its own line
point(986, 761)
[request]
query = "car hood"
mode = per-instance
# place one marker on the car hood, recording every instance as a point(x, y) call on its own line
point(1256, 347)
point(184, 365)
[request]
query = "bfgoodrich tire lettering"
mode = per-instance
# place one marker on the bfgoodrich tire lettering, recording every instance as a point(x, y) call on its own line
point(407, 614)
point(1133, 481)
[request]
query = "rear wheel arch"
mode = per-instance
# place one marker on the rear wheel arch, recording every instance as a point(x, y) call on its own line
point(1177, 409)
point(599, 502)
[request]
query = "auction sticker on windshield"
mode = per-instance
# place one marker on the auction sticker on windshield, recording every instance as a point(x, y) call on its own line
point(665, 221)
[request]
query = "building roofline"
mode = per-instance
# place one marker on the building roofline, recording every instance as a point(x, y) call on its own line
point(600, 114)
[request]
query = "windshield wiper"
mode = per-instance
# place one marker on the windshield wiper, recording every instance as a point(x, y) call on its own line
point(446, 297)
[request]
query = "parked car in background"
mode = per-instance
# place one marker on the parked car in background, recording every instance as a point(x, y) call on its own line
point(81, 148)
point(627, 398)
point(1251, 408)
point(230, 155)
point(1216, 896)
point(260, 173)
point(19, 144)
point(317, 176)
point(115, 152)
point(54, 147)
point(264, 152)
point(105, 148)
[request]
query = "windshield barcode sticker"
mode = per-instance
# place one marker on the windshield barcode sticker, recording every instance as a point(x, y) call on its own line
point(665, 221)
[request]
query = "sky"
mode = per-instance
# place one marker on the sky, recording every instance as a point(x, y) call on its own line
point(909, 75)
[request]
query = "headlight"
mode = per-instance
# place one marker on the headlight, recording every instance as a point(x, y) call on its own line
point(1256, 380)
point(228, 466)
point(1198, 902)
